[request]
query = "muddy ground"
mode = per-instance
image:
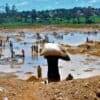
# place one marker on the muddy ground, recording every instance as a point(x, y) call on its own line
point(53, 29)
point(12, 88)
point(80, 89)
point(86, 49)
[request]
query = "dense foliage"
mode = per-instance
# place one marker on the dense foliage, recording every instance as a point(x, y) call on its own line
point(77, 15)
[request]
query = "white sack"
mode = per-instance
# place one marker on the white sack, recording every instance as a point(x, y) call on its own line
point(52, 49)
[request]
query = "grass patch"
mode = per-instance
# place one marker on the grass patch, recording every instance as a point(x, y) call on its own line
point(77, 25)
point(38, 25)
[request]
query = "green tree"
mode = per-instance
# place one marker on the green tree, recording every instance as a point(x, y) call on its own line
point(14, 10)
point(33, 15)
point(88, 12)
point(7, 8)
point(78, 16)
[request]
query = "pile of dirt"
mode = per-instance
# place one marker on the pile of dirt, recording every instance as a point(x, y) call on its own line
point(87, 48)
point(32, 78)
point(80, 89)
point(14, 89)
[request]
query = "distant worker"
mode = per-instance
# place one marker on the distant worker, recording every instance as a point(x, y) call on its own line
point(11, 45)
point(38, 36)
point(4, 43)
point(87, 39)
point(11, 49)
point(7, 40)
point(32, 48)
point(23, 53)
point(13, 53)
point(46, 39)
point(39, 72)
point(36, 48)
point(1, 43)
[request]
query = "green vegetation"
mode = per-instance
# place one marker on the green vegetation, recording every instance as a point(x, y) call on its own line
point(76, 17)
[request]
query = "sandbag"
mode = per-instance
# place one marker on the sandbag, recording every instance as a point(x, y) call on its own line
point(52, 49)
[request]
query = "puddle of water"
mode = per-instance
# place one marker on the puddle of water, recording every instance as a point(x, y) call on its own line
point(76, 66)
point(75, 39)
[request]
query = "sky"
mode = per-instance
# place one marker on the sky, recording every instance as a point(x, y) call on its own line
point(49, 4)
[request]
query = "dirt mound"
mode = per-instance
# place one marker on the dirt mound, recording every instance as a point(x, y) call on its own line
point(32, 78)
point(87, 48)
point(81, 89)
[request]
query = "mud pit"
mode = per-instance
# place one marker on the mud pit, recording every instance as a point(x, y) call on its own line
point(80, 66)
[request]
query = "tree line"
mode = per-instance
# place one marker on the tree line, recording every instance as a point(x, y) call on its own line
point(75, 15)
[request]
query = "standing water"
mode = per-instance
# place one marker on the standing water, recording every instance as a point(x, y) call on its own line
point(80, 66)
